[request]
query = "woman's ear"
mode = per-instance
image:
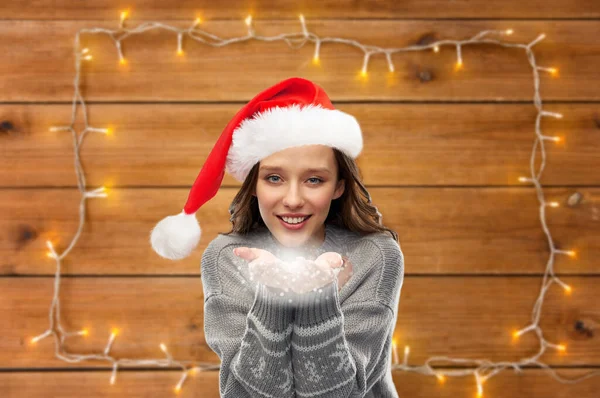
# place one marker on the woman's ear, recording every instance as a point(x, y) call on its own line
point(339, 190)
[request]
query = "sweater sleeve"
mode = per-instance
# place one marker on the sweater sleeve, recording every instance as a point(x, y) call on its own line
point(253, 344)
point(335, 353)
point(343, 350)
point(248, 327)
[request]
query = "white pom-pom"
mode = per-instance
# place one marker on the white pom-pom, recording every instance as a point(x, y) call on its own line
point(174, 237)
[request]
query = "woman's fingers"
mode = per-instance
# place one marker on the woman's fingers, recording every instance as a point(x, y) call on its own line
point(331, 259)
point(244, 252)
point(252, 253)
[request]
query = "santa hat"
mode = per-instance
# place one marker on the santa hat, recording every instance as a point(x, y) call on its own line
point(291, 113)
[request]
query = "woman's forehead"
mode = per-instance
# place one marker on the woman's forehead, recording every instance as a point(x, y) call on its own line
point(301, 157)
point(310, 169)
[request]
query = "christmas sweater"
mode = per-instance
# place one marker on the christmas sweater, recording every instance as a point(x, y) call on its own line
point(325, 343)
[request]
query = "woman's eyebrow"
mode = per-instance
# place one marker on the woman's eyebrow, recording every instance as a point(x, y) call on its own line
point(311, 170)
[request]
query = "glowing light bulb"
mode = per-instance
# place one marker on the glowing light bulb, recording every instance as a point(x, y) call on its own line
point(316, 60)
point(459, 64)
point(180, 52)
point(553, 71)
point(51, 249)
point(436, 49)
point(87, 57)
point(84, 332)
point(441, 378)
point(516, 334)
point(301, 18)
point(198, 21)
point(509, 31)
point(114, 332)
point(163, 347)
point(248, 20)
point(571, 253)
point(122, 61)
point(568, 289)
point(561, 347)
point(124, 15)
point(553, 204)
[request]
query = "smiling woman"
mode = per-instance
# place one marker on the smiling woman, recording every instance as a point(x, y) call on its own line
point(321, 265)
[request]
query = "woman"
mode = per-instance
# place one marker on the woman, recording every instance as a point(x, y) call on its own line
point(301, 296)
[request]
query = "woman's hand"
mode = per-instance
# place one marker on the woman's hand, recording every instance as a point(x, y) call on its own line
point(311, 275)
point(265, 267)
point(341, 266)
point(301, 275)
point(321, 272)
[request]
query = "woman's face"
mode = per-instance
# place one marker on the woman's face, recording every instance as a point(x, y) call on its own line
point(287, 184)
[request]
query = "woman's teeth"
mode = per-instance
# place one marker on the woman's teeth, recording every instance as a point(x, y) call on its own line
point(293, 220)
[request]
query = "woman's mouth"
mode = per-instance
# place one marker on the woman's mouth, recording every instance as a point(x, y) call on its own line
point(291, 226)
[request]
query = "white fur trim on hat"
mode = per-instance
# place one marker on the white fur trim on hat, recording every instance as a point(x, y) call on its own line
point(279, 128)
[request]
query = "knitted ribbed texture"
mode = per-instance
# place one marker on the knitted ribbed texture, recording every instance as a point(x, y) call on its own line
point(325, 343)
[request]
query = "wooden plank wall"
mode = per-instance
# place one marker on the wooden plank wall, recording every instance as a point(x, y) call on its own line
point(443, 153)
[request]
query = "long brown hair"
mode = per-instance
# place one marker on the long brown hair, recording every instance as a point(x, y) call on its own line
point(353, 210)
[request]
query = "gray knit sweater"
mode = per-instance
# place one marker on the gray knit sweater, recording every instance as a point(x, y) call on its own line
point(323, 343)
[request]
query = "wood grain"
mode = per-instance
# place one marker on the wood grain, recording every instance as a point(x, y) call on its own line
point(404, 144)
point(443, 153)
point(470, 316)
point(41, 63)
point(529, 383)
point(289, 9)
point(441, 230)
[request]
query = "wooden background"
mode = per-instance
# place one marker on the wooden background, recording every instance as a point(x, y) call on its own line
point(443, 152)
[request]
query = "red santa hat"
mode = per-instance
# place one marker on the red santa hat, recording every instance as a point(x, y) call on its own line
point(291, 113)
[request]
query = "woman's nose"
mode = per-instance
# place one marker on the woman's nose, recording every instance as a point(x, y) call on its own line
point(293, 197)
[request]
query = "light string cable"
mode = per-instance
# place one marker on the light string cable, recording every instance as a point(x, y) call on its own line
point(485, 369)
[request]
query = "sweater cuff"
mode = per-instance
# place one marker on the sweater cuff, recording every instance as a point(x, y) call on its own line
point(271, 308)
point(318, 306)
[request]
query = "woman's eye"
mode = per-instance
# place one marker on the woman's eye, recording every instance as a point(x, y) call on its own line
point(318, 180)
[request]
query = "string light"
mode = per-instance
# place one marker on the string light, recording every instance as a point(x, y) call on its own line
point(459, 62)
point(124, 15)
point(179, 47)
point(113, 376)
point(306, 36)
point(552, 114)
point(304, 31)
point(395, 347)
point(316, 56)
